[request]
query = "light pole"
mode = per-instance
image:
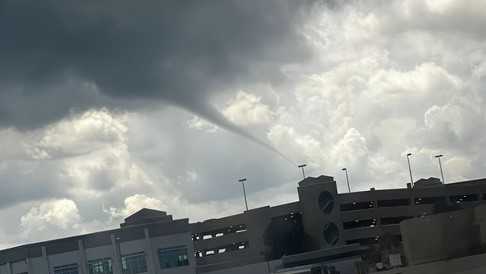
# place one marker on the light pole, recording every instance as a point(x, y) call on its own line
point(242, 181)
point(409, 167)
point(302, 168)
point(347, 178)
point(440, 166)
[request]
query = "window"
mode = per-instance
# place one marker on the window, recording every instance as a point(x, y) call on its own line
point(243, 245)
point(173, 257)
point(134, 263)
point(240, 229)
point(66, 269)
point(207, 235)
point(238, 246)
point(221, 250)
point(360, 223)
point(101, 266)
point(428, 200)
point(393, 220)
point(464, 198)
point(357, 206)
point(395, 202)
point(364, 241)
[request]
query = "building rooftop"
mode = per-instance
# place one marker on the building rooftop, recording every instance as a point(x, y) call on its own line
point(146, 216)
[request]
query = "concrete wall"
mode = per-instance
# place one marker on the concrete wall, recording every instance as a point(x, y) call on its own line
point(20, 266)
point(315, 219)
point(259, 268)
point(150, 246)
point(5, 268)
point(256, 222)
point(182, 239)
point(99, 252)
point(466, 265)
point(65, 258)
point(439, 237)
point(38, 265)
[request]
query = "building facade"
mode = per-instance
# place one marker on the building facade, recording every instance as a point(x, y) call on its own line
point(323, 226)
point(450, 242)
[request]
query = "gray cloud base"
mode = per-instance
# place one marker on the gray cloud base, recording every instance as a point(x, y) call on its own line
point(178, 51)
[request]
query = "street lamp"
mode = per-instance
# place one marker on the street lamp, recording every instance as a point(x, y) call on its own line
point(410, 168)
point(347, 178)
point(302, 168)
point(440, 166)
point(242, 181)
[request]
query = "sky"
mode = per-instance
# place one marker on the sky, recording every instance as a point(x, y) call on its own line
point(110, 106)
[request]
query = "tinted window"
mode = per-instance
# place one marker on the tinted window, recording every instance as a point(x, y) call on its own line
point(66, 269)
point(101, 266)
point(134, 263)
point(395, 202)
point(173, 257)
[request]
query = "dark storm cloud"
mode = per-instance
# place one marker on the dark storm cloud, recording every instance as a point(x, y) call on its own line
point(178, 51)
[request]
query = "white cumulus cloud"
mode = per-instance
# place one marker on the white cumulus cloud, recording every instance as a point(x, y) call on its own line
point(247, 109)
point(53, 215)
point(133, 204)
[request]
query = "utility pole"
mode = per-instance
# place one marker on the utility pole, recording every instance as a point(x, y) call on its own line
point(410, 168)
point(347, 178)
point(440, 166)
point(242, 181)
point(302, 168)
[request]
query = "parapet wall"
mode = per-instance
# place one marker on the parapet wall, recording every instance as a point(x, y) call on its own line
point(444, 236)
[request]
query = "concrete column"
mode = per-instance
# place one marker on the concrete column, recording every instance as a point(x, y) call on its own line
point(117, 266)
point(148, 253)
point(46, 259)
point(9, 268)
point(375, 208)
point(411, 194)
point(28, 261)
point(83, 264)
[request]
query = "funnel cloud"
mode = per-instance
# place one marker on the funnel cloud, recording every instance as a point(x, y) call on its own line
point(116, 53)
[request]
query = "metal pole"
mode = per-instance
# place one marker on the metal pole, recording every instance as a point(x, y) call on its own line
point(244, 194)
point(242, 181)
point(302, 168)
point(410, 168)
point(440, 166)
point(347, 179)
